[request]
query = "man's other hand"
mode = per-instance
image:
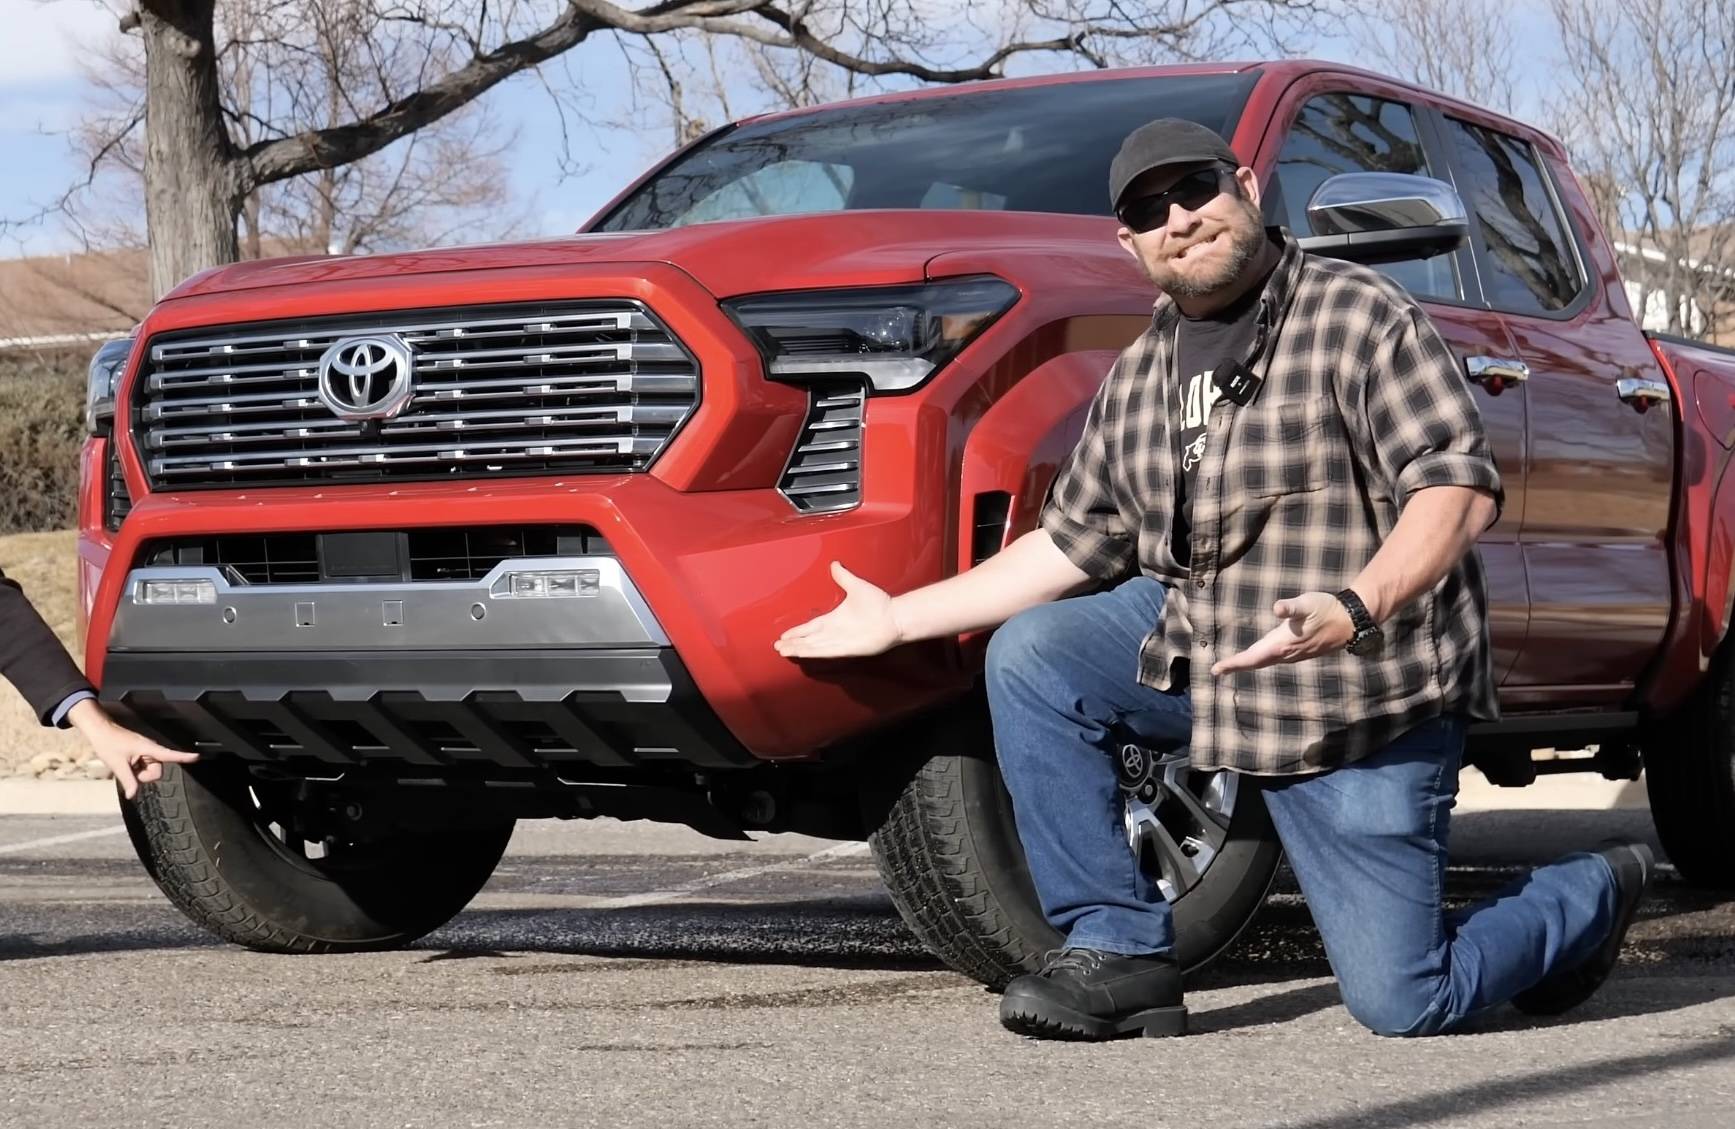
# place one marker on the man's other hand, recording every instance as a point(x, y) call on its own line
point(1308, 626)
point(133, 758)
point(862, 625)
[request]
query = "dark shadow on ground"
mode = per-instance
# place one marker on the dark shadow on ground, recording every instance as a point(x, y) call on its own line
point(1489, 1096)
point(1276, 1007)
point(30, 946)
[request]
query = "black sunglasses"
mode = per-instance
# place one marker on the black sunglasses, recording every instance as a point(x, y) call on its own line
point(1195, 190)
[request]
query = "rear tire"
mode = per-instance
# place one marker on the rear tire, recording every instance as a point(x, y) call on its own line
point(1690, 776)
point(948, 850)
point(204, 834)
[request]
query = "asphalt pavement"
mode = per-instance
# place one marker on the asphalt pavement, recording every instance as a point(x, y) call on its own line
point(631, 974)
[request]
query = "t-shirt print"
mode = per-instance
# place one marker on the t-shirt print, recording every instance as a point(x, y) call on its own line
point(1199, 394)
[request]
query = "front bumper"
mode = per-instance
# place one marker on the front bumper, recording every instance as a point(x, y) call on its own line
point(724, 573)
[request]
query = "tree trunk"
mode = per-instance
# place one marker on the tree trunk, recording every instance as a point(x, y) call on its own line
point(191, 193)
point(250, 225)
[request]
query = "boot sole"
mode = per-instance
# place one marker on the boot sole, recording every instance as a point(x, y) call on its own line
point(1043, 1020)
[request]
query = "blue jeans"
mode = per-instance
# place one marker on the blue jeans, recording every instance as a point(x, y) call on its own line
point(1367, 841)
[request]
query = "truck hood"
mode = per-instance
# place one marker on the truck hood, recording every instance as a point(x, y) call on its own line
point(859, 248)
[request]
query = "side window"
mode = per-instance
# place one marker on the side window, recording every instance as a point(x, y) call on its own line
point(783, 189)
point(1339, 133)
point(1525, 258)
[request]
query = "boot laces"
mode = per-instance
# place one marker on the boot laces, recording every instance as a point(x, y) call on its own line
point(1085, 961)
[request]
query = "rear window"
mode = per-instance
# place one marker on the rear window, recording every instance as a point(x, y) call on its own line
point(1033, 149)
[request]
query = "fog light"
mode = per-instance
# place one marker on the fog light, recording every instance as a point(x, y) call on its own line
point(175, 592)
point(552, 585)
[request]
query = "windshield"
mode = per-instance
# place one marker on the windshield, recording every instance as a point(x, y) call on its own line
point(1034, 148)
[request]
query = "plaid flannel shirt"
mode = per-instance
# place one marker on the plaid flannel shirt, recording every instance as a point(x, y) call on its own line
point(1362, 404)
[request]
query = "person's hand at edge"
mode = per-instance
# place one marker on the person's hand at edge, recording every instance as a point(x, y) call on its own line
point(133, 758)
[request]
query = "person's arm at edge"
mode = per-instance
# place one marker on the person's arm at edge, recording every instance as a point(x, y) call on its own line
point(32, 659)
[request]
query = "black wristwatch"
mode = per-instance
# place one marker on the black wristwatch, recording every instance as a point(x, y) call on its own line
point(1368, 635)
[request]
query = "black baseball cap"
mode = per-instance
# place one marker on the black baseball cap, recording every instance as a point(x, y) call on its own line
point(1166, 141)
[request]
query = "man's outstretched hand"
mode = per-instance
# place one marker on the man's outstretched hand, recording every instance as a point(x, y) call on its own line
point(133, 758)
point(1308, 626)
point(862, 625)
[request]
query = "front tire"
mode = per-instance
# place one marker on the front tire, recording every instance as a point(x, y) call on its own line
point(1690, 777)
point(222, 848)
point(948, 850)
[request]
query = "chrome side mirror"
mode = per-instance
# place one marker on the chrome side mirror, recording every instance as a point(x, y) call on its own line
point(1373, 217)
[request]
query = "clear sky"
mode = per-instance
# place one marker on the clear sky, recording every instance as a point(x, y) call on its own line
point(42, 91)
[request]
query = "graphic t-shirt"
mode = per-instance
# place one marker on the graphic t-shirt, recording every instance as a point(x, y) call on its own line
point(1201, 345)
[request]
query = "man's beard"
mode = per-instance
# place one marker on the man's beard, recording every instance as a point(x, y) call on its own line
point(1246, 239)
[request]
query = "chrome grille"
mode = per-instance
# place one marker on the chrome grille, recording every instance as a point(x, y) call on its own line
point(542, 389)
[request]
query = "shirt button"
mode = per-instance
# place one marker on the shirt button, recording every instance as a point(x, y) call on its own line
point(1198, 583)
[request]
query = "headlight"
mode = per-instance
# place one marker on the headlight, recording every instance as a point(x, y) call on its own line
point(105, 371)
point(896, 336)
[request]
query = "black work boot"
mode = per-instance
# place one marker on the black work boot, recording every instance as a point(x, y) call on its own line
point(1561, 991)
point(1086, 994)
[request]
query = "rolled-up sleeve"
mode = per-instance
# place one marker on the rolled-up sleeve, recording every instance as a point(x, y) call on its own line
point(1080, 512)
point(1426, 428)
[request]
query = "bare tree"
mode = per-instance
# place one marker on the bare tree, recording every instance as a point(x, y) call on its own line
point(692, 81)
point(1466, 48)
point(200, 166)
point(286, 69)
point(1650, 118)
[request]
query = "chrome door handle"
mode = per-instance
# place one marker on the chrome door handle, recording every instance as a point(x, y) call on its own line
point(1495, 373)
point(1642, 394)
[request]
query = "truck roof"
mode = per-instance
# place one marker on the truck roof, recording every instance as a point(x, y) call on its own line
point(1108, 75)
point(1283, 69)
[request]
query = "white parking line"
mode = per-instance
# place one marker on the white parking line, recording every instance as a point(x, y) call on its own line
point(841, 850)
point(56, 840)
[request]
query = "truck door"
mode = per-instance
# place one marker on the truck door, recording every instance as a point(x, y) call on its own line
point(1321, 129)
point(1600, 456)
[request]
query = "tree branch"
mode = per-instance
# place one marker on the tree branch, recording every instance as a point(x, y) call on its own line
point(276, 160)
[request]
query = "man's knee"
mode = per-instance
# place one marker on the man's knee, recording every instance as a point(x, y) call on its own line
point(1017, 646)
point(1396, 1008)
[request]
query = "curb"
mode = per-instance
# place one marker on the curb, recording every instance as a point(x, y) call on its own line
point(1568, 792)
point(58, 797)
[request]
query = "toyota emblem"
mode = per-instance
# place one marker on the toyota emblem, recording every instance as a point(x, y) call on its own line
point(366, 377)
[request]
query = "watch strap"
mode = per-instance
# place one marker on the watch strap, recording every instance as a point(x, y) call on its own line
point(1367, 632)
point(1358, 611)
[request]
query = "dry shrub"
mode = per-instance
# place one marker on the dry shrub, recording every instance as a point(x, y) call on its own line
point(41, 429)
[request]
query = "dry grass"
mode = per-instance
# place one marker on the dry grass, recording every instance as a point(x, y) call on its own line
point(46, 564)
point(41, 427)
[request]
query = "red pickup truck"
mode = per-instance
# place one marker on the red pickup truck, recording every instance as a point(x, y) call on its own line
point(413, 546)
